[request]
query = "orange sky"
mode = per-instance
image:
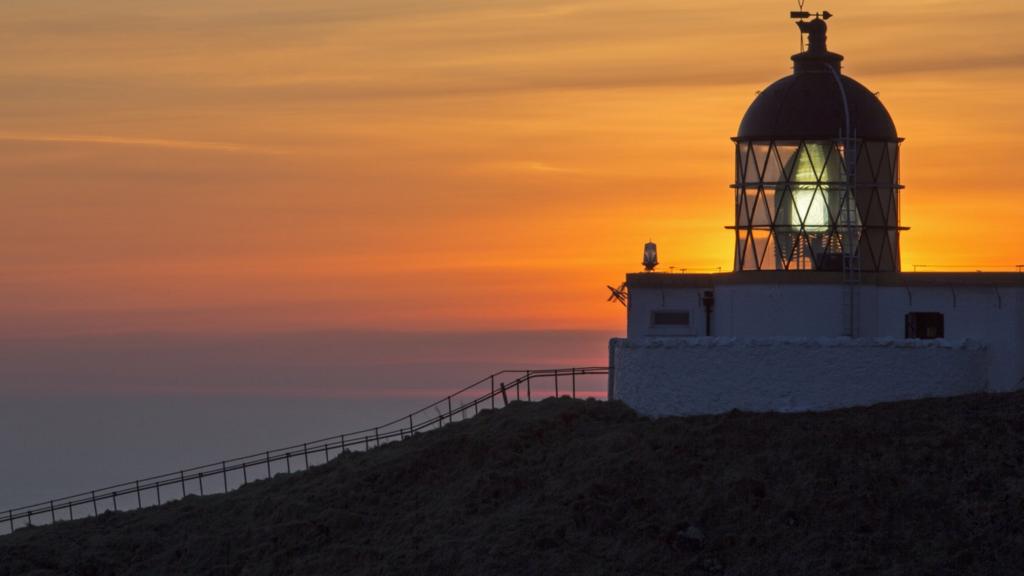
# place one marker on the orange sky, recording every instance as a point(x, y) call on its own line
point(230, 165)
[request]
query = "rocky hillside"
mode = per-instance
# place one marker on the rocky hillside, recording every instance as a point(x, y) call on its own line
point(586, 487)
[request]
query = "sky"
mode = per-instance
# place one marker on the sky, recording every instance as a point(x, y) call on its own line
point(217, 203)
point(239, 166)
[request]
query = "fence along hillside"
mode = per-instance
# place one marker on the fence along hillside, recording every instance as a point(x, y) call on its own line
point(492, 392)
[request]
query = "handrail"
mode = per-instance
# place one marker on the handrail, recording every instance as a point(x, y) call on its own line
point(441, 411)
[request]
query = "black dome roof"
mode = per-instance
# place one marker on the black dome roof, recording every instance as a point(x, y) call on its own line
point(809, 103)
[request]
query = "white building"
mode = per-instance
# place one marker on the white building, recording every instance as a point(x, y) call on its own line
point(816, 313)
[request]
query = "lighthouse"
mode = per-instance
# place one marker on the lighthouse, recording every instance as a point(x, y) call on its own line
point(817, 312)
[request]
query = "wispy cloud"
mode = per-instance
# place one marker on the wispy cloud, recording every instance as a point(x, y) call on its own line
point(228, 147)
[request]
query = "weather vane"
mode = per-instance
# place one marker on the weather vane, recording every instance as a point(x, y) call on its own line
point(802, 14)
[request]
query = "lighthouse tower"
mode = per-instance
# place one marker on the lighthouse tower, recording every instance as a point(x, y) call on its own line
point(816, 313)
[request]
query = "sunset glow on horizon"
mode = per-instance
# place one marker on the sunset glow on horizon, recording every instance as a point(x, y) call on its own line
point(253, 166)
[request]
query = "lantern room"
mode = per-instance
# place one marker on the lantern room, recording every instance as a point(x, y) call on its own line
point(817, 171)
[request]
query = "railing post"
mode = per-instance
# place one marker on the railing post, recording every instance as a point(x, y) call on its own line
point(410, 424)
point(182, 473)
point(159, 501)
point(71, 511)
point(138, 493)
point(10, 519)
point(556, 383)
point(245, 473)
point(504, 394)
point(53, 514)
point(376, 436)
point(450, 415)
point(305, 454)
point(492, 391)
point(224, 473)
point(268, 465)
point(114, 498)
point(574, 383)
point(95, 510)
point(529, 396)
point(201, 491)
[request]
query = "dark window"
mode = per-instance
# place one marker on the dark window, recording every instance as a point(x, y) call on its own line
point(925, 325)
point(670, 318)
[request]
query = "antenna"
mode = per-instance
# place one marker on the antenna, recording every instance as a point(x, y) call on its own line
point(620, 294)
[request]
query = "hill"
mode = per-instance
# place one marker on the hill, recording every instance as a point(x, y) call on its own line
point(585, 487)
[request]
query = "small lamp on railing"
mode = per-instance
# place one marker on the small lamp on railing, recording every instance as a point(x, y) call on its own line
point(650, 256)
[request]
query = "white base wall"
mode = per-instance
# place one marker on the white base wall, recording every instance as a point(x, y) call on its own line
point(684, 376)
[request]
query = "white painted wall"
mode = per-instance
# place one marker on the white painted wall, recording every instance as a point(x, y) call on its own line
point(992, 316)
point(679, 376)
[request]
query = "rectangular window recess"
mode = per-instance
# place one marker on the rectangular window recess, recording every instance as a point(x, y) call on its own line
point(925, 325)
point(670, 318)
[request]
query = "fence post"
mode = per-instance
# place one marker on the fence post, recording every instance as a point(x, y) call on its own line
point(245, 473)
point(158, 500)
point(224, 473)
point(288, 461)
point(53, 514)
point(95, 510)
point(410, 424)
point(305, 454)
point(504, 394)
point(10, 518)
point(574, 383)
point(201, 491)
point(376, 436)
point(71, 511)
point(138, 493)
point(114, 498)
point(492, 391)
point(529, 397)
point(556, 383)
point(450, 415)
point(182, 483)
point(268, 465)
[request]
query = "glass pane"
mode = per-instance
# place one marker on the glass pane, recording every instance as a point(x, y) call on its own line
point(894, 161)
point(761, 158)
point(813, 209)
point(894, 248)
point(762, 246)
point(749, 259)
point(743, 202)
point(760, 214)
point(769, 200)
point(786, 242)
point(773, 169)
point(741, 161)
point(786, 153)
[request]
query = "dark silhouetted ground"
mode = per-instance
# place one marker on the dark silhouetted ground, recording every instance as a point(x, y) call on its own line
point(587, 487)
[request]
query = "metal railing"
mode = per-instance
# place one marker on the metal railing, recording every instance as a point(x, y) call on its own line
point(491, 392)
point(971, 267)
